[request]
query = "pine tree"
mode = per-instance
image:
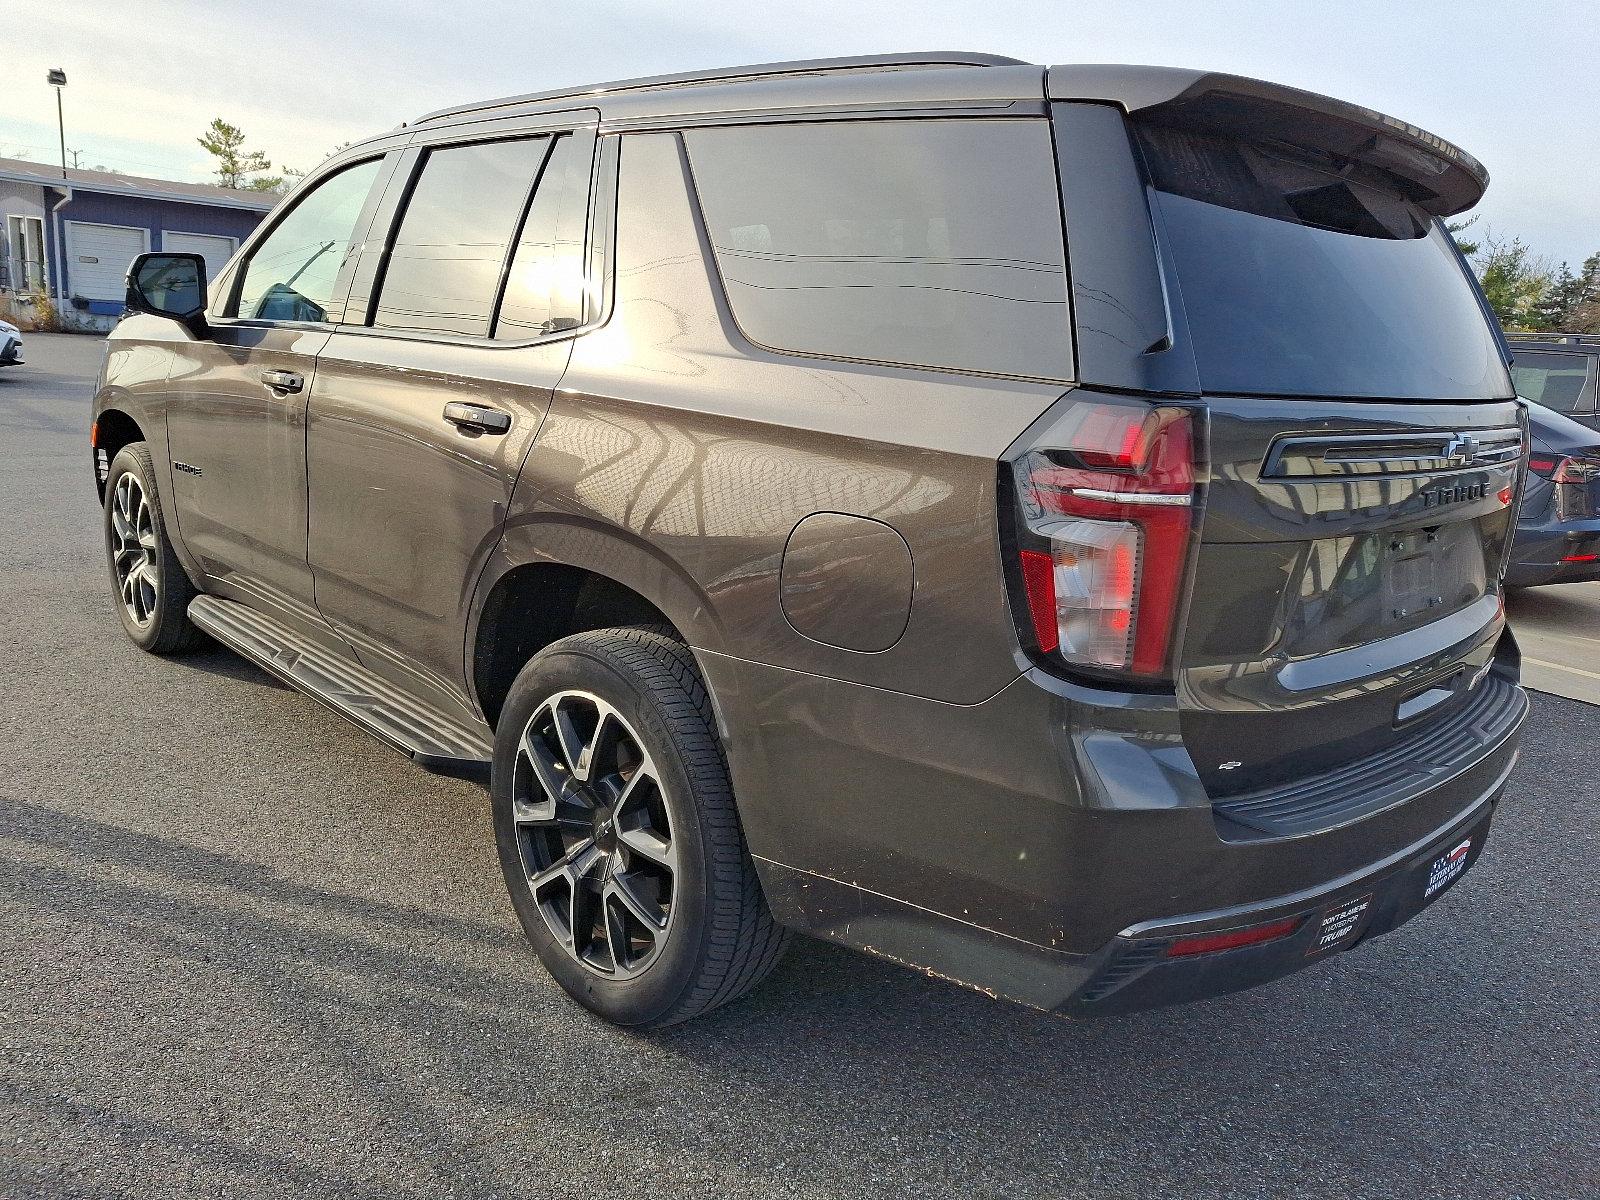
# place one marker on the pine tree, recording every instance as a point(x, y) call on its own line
point(1584, 315)
point(234, 163)
point(1554, 308)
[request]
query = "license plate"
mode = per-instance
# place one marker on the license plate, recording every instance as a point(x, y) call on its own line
point(1448, 867)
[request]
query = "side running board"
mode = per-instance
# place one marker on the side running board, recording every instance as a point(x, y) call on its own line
point(436, 741)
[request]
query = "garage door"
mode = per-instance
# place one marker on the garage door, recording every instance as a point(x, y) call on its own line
point(214, 249)
point(98, 257)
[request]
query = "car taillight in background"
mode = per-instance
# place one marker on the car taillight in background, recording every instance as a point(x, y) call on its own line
point(1106, 499)
point(1576, 468)
point(1577, 500)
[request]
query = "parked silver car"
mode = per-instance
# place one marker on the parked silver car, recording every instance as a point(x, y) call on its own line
point(10, 345)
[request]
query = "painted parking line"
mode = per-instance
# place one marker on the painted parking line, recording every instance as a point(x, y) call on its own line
point(1562, 667)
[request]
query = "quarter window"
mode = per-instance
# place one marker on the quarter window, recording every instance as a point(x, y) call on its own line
point(934, 243)
point(545, 287)
point(444, 266)
point(291, 273)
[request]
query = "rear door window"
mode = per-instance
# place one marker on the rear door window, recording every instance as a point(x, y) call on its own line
point(931, 243)
point(445, 262)
point(1553, 380)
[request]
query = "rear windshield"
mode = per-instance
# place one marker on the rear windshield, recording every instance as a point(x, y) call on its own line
point(1553, 380)
point(932, 243)
point(1304, 278)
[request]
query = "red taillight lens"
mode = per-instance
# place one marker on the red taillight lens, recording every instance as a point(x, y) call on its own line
point(1107, 501)
point(1208, 942)
point(1543, 465)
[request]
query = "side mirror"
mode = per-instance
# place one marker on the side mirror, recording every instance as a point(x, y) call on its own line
point(170, 285)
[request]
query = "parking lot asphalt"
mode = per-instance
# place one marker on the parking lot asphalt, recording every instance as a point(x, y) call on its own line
point(245, 950)
point(1558, 628)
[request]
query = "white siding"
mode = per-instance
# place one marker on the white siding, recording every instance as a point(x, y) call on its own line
point(216, 250)
point(98, 258)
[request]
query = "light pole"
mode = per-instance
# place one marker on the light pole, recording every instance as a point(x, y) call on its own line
point(57, 78)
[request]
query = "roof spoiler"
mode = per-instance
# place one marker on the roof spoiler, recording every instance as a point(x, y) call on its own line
point(1441, 178)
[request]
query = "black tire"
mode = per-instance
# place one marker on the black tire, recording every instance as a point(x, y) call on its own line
point(165, 627)
point(721, 939)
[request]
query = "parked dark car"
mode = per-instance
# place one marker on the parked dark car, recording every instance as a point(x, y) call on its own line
point(1558, 371)
point(804, 546)
point(1558, 523)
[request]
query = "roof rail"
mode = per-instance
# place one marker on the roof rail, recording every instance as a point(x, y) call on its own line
point(1562, 339)
point(811, 66)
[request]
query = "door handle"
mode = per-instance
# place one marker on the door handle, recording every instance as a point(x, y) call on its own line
point(475, 418)
point(283, 381)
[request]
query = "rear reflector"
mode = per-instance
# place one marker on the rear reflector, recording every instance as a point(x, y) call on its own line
point(1038, 572)
point(1582, 558)
point(1208, 942)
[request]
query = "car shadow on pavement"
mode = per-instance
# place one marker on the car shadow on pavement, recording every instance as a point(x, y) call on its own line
point(873, 1072)
point(220, 661)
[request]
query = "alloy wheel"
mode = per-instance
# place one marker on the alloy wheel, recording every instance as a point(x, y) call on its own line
point(135, 553)
point(594, 834)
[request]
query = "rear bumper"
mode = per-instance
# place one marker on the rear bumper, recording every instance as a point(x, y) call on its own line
point(1049, 843)
point(1540, 554)
point(11, 352)
point(1139, 969)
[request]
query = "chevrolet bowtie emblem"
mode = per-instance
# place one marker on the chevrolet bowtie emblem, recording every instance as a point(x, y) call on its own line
point(1462, 449)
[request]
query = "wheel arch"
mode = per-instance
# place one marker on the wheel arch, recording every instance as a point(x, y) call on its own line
point(578, 579)
point(112, 430)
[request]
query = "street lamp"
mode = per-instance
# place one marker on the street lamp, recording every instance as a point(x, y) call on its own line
point(57, 78)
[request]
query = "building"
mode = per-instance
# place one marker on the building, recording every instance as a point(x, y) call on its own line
point(72, 239)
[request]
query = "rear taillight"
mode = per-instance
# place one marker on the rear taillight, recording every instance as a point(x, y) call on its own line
point(1107, 503)
point(1573, 474)
point(1579, 468)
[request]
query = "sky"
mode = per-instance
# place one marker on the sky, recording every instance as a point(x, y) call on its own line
point(1515, 85)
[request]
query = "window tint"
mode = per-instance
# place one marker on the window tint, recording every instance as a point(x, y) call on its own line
point(545, 288)
point(290, 275)
point(444, 266)
point(935, 243)
point(1300, 279)
point(1553, 380)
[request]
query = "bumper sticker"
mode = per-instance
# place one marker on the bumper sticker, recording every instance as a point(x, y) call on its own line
point(1340, 923)
point(1446, 868)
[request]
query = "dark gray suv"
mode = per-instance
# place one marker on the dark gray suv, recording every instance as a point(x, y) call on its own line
point(1040, 526)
